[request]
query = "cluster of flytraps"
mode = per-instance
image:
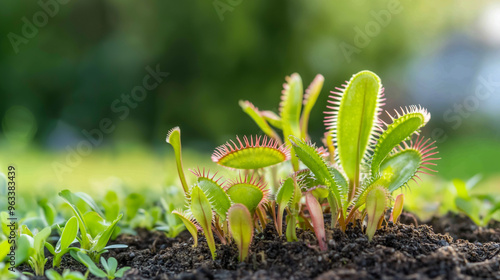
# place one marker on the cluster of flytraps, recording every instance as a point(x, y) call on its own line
point(363, 161)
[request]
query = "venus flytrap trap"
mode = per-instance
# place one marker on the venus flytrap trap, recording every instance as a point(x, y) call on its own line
point(365, 160)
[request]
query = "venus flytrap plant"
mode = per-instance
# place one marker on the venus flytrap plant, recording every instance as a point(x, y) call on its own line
point(370, 156)
point(364, 162)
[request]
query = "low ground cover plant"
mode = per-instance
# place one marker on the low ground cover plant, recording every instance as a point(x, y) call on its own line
point(479, 208)
point(362, 161)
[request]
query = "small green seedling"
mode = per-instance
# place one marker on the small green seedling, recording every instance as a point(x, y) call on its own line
point(94, 231)
point(68, 236)
point(66, 275)
point(283, 199)
point(110, 266)
point(240, 225)
point(188, 221)
point(173, 224)
point(479, 208)
point(31, 248)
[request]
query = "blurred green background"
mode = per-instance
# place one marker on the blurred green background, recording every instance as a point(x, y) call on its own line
point(66, 66)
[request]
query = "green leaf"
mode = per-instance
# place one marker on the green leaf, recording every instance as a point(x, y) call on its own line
point(4, 249)
point(290, 107)
point(4, 219)
point(461, 188)
point(133, 202)
point(316, 213)
point(112, 265)
point(188, 222)
point(49, 211)
point(376, 203)
point(398, 208)
point(122, 271)
point(105, 265)
point(315, 162)
point(312, 93)
point(283, 198)
point(53, 275)
point(24, 248)
point(103, 238)
point(3, 185)
point(67, 196)
point(272, 118)
point(68, 235)
point(174, 139)
point(403, 127)
point(471, 207)
point(111, 205)
point(87, 261)
point(116, 246)
point(215, 193)
point(354, 122)
point(241, 227)
point(90, 201)
point(202, 212)
point(340, 180)
point(257, 117)
point(247, 191)
point(40, 238)
point(250, 154)
point(96, 224)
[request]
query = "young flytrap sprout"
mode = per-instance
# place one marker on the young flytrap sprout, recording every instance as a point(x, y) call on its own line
point(240, 225)
point(397, 208)
point(365, 160)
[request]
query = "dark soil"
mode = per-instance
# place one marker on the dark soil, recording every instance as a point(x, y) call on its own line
point(396, 252)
